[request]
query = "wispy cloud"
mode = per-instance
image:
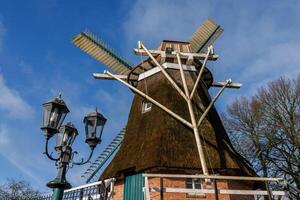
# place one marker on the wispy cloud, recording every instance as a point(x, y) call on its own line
point(12, 103)
point(16, 156)
point(4, 139)
point(155, 20)
point(260, 41)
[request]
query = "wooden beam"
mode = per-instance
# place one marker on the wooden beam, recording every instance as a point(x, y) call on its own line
point(185, 55)
point(212, 103)
point(218, 177)
point(168, 77)
point(221, 191)
point(107, 77)
point(193, 119)
point(176, 116)
point(230, 85)
point(200, 73)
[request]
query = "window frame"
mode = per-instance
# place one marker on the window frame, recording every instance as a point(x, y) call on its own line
point(146, 106)
point(193, 183)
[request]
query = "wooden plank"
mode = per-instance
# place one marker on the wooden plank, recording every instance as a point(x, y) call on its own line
point(242, 178)
point(230, 85)
point(200, 56)
point(105, 76)
point(212, 191)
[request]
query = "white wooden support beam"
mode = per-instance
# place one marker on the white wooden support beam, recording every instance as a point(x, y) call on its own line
point(200, 56)
point(105, 76)
point(146, 189)
point(212, 103)
point(163, 71)
point(190, 60)
point(151, 100)
point(217, 177)
point(111, 193)
point(163, 57)
point(192, 115)
point(231, 85)
point(220, 191)
point(200, 73)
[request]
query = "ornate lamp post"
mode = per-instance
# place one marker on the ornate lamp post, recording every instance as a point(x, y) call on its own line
point(54, 114)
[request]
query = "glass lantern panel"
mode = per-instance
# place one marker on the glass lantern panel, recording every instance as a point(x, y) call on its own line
point(46, 115)
point(60, 119)
point(90, 129)
point(99, 130)
point(59, 139)
point(73, 136)
point(53, 118)
point(65, 138)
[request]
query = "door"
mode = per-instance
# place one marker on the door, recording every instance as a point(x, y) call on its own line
point(133, 189)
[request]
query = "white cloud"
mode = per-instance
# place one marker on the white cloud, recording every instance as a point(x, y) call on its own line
point(4, 139)
point(15, 155)
point(155, 20)
point(12, 103)
point(260, 41)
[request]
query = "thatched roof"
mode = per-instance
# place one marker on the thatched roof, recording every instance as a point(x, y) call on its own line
point(154, 141)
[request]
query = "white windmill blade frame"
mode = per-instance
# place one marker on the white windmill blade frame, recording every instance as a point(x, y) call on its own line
point(96, 48)
point(205, 35)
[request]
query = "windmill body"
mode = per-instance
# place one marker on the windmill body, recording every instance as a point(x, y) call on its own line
point(173, 127)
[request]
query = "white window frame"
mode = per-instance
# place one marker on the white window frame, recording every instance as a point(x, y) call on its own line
point(192, 194)
point(146, 106)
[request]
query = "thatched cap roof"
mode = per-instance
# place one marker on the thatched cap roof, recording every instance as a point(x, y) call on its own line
point(155, 141)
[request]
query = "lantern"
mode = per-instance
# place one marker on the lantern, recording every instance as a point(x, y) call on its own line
point(66, 136)
point(54, 114)
point(94, 123)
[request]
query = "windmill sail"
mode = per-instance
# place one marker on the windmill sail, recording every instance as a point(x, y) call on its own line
point(95, 47)
point(205, 36)
point(93, 172)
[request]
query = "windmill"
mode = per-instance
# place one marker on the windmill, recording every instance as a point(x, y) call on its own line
point(173, 126)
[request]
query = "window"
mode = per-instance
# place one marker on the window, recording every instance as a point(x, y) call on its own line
point(193, 183)
point(146, 106)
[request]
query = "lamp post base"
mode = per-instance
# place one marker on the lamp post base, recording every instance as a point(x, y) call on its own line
point(59, 188)
point(57, 184)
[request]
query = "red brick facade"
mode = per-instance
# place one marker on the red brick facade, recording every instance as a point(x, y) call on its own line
point(180, 183)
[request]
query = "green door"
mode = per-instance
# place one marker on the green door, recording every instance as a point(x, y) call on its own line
point(133, 189)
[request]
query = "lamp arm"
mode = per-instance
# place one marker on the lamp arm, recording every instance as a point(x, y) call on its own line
point(47, 153)
point(82, 162)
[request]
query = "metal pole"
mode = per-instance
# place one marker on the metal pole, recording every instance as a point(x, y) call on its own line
point(194, 123)
point(212, 103)
point(58, 194)
point(59, 183)
point(216, 189)
point(151, 100)
point(161, 188)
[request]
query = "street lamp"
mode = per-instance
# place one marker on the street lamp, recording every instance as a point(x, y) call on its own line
point(54, 114)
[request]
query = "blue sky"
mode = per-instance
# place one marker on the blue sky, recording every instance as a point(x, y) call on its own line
point(37, 60)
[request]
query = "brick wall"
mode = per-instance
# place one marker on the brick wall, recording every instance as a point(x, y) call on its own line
point(118, 190)
point(180, 183)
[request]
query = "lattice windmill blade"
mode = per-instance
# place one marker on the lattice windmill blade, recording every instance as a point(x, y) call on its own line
point(205, 36)
point(95, 47)
point(93, 172)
